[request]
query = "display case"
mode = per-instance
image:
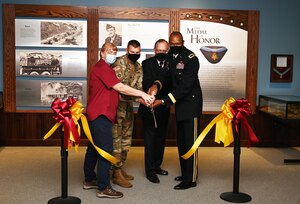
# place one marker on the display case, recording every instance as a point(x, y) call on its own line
point(281, 106)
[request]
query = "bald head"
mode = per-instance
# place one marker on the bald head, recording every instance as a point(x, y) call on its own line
point(176, 43)
point(176, 39)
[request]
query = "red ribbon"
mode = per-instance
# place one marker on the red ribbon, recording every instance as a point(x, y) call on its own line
point(64, 116)
point(240, 108)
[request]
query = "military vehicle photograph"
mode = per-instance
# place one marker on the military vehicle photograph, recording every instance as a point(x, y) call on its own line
point(40, 63)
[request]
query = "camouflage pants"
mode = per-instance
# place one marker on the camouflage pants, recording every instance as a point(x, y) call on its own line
point(122, 131)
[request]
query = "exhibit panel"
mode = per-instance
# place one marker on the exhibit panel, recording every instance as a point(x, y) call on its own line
point(50, 60)
point(56, 64)
point(222, 52)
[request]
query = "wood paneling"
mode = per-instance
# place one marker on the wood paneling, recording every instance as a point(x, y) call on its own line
point(9, 72)
point(252, 58)
point(50, 11)
point(27, 127)
point(235, 18)
point(133, 13)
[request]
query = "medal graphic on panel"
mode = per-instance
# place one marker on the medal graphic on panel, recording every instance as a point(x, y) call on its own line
point(213, 54)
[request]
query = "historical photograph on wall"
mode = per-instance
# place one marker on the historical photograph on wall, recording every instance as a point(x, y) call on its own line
point(120, 32)
point(51, 63)
point(51, 33)
point(222, 52)
point(39, 93)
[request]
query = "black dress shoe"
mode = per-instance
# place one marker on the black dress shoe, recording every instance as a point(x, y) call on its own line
point(185, 185)
point(178, 178)
point(153, 178)
point(161, 171)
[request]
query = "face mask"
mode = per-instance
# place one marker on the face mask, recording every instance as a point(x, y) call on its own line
point(160, 56)
point(134, 57)
point(176, 49)
point(110, 59)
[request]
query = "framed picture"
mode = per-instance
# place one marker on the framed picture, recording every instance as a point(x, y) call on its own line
point(281, 68)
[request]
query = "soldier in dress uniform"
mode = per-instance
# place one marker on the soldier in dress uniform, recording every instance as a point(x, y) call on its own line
point(113, 37)
point(186, 94)
point(129, 71)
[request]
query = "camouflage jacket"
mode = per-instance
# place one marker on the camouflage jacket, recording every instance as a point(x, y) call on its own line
point(129, 74)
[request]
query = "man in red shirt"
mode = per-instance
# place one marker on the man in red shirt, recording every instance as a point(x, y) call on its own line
point(104, 89)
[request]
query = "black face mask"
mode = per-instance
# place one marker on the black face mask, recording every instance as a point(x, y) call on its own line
point(134, 57)
point(160, 56)
point(176, 49)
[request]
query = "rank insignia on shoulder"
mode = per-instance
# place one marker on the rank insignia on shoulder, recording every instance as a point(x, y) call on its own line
point(191, 55)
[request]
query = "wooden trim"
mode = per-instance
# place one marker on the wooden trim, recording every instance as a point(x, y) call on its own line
point(92, 41)
point(252, 56)
point(237, 18)
point(50, 11)
point(174, 24)
point(9, 70)
point(133, 13)
point(250, 20)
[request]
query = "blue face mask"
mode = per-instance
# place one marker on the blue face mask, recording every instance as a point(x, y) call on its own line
point(110, 59)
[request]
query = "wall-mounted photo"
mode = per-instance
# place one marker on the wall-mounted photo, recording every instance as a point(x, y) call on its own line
point(120, 32)
point(61, 90)
point(49, 63)
point(114, 34)
point(51, 33)
point(39, 93)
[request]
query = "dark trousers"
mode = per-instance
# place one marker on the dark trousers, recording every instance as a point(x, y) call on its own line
point(101, 130)
point(187, 131)
point(154, 141)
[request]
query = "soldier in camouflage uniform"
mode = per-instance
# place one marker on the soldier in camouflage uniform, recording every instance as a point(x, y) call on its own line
point(130, 72)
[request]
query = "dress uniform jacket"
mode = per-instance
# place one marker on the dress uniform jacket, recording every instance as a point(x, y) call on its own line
point(186, 94)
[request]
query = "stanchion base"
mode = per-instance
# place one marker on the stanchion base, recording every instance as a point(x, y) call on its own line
point(67, 200)
point(235, 197)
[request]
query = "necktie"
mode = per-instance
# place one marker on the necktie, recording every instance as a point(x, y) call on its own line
point(161, 64)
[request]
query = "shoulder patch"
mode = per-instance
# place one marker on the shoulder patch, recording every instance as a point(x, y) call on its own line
point(191, 55)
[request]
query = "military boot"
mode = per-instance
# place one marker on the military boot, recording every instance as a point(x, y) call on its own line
point(119, 179)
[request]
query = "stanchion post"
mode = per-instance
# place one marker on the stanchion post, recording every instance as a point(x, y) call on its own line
point(64, 170)
point(64, 199)
point(236, 196)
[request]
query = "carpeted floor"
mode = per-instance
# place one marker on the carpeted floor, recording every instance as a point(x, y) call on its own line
point(32, 175)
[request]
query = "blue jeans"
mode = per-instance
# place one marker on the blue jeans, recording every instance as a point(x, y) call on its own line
point(101, 130)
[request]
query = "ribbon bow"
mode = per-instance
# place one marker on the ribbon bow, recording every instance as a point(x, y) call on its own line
point(63, 116)
point(240, 109)
point(68, 113)
point(232, 111)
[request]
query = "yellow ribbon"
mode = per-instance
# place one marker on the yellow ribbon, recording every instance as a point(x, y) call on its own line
point(76, 111)
point(223, 129)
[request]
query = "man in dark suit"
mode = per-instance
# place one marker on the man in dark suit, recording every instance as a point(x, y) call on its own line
point(155, 121)
point(186, 94)
point(113, 37)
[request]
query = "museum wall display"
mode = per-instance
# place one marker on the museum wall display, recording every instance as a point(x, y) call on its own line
point(50, 50)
